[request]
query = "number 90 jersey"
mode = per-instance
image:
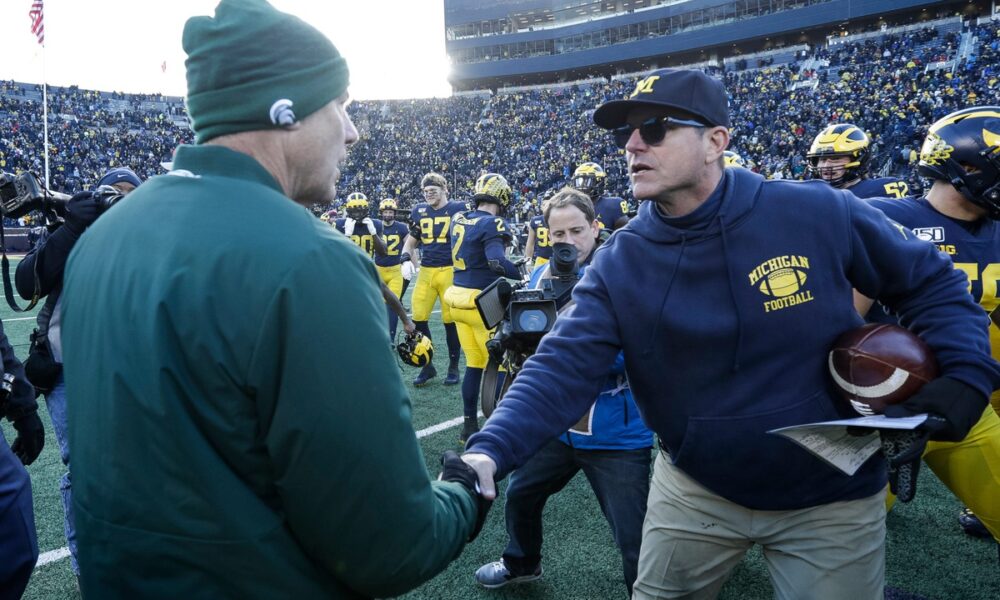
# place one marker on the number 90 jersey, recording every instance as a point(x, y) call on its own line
point(543, 245)
point(360, 236)
point(975, 250)
point(431, 228)
point(471, 232)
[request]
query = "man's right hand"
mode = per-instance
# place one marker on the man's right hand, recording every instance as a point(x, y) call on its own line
point(486, 469)
point(81, 211)
point(30, 438)
point(349, 225)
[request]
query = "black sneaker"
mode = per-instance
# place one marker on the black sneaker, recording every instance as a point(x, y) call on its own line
point(971, 524)
point(495, 575)
point(470, 426)
point(426, 374)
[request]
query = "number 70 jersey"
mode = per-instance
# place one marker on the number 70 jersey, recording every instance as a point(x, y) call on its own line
point(431, 227)
point(974, 248)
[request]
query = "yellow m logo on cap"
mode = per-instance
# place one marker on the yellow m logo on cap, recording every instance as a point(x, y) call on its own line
point(645, 86)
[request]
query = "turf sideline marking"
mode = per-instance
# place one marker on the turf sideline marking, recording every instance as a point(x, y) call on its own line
point(19, 319)
point(56, 555)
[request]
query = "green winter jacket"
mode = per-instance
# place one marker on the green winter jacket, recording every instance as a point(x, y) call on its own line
point(239, 426)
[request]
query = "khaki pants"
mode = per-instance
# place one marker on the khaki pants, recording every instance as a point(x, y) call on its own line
point(692, 539)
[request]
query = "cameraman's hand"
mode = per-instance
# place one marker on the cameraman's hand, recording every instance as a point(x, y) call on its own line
point(349, 225)
point(30, 438)
point(81, 211)
point(367, 222)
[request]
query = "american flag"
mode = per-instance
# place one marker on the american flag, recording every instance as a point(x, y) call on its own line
point(37, 20)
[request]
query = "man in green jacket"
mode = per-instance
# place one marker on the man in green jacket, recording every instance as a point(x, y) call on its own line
point(239, 426)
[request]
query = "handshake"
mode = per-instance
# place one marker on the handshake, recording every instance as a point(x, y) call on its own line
point(456, 470)
point(350, 224)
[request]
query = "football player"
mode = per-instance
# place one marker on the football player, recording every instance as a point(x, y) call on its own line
point(839, 156)
point(478, 242)
point(430, 224)
point(394, 234)
point(369, 236)
point(539, 246)
point(961, 154)
point(612, 212)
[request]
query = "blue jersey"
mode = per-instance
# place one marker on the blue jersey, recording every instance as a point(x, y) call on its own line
point(543, 245)
point(360, 236)
point(393, 234)
point(431, 228)
point(883, 187)
point(471, 232)
point(609, 209)
point(974, 247)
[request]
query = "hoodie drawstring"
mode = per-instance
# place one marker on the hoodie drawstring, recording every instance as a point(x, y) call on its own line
point(732, 296)
point(663, 305)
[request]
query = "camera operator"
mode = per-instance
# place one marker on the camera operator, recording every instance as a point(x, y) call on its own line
point(41, 273)
point(19, 546)
point(610, 443)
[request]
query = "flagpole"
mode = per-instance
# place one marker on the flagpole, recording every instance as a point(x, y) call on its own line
point(45, 117)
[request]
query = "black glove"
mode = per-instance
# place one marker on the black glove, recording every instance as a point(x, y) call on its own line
point(959, 405)
point(81, 211)
point(453, 468)
point(30, 438)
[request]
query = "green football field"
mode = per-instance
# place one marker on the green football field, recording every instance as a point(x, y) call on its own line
point(928, 556)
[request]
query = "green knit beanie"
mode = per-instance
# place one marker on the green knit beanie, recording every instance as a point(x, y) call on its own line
point(253, 67)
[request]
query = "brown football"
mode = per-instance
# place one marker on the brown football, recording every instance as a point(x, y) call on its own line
point(877, 364)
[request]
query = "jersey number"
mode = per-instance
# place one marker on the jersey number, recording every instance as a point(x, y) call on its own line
point(989, 276)
point(427, 226)
point(542, 233)
point(458, 236)
point(897, 189)
point(365, 242)
point(392, 245)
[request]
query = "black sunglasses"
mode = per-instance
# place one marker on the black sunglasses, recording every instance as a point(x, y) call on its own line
point(652, 131)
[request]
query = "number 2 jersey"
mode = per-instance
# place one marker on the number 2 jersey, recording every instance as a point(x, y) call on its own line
point(472, 235)
point(393, 235)
point(361, 236)
point(974, 247)
point(543, 245)
point(432, 228)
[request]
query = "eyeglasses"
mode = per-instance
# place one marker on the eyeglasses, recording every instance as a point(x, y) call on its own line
point(652, 131)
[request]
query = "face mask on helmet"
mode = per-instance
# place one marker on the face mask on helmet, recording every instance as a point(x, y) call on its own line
point(589, 179)
point(416, 349)
point(846, 142)
point(963, 149)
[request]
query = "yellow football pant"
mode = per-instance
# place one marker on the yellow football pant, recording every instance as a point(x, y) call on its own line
point(971, 469)
point(432, 283)
point(392, 277)
point(472, 332)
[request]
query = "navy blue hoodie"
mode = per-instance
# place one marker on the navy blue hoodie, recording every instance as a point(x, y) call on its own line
point(726, 316)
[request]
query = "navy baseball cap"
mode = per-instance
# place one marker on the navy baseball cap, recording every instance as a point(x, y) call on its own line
point(120, 175)
point(688, 90)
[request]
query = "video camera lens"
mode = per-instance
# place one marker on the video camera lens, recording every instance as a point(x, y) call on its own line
point(563, 262)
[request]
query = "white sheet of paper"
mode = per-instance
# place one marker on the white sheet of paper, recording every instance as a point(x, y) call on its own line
point(830, 441)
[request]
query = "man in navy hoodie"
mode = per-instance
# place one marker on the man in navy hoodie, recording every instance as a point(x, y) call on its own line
point(725, 294)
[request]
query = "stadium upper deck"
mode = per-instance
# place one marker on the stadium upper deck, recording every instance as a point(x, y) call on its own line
point(520, 42)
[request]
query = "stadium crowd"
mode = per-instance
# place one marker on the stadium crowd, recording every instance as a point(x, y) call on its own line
point(537, 136)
